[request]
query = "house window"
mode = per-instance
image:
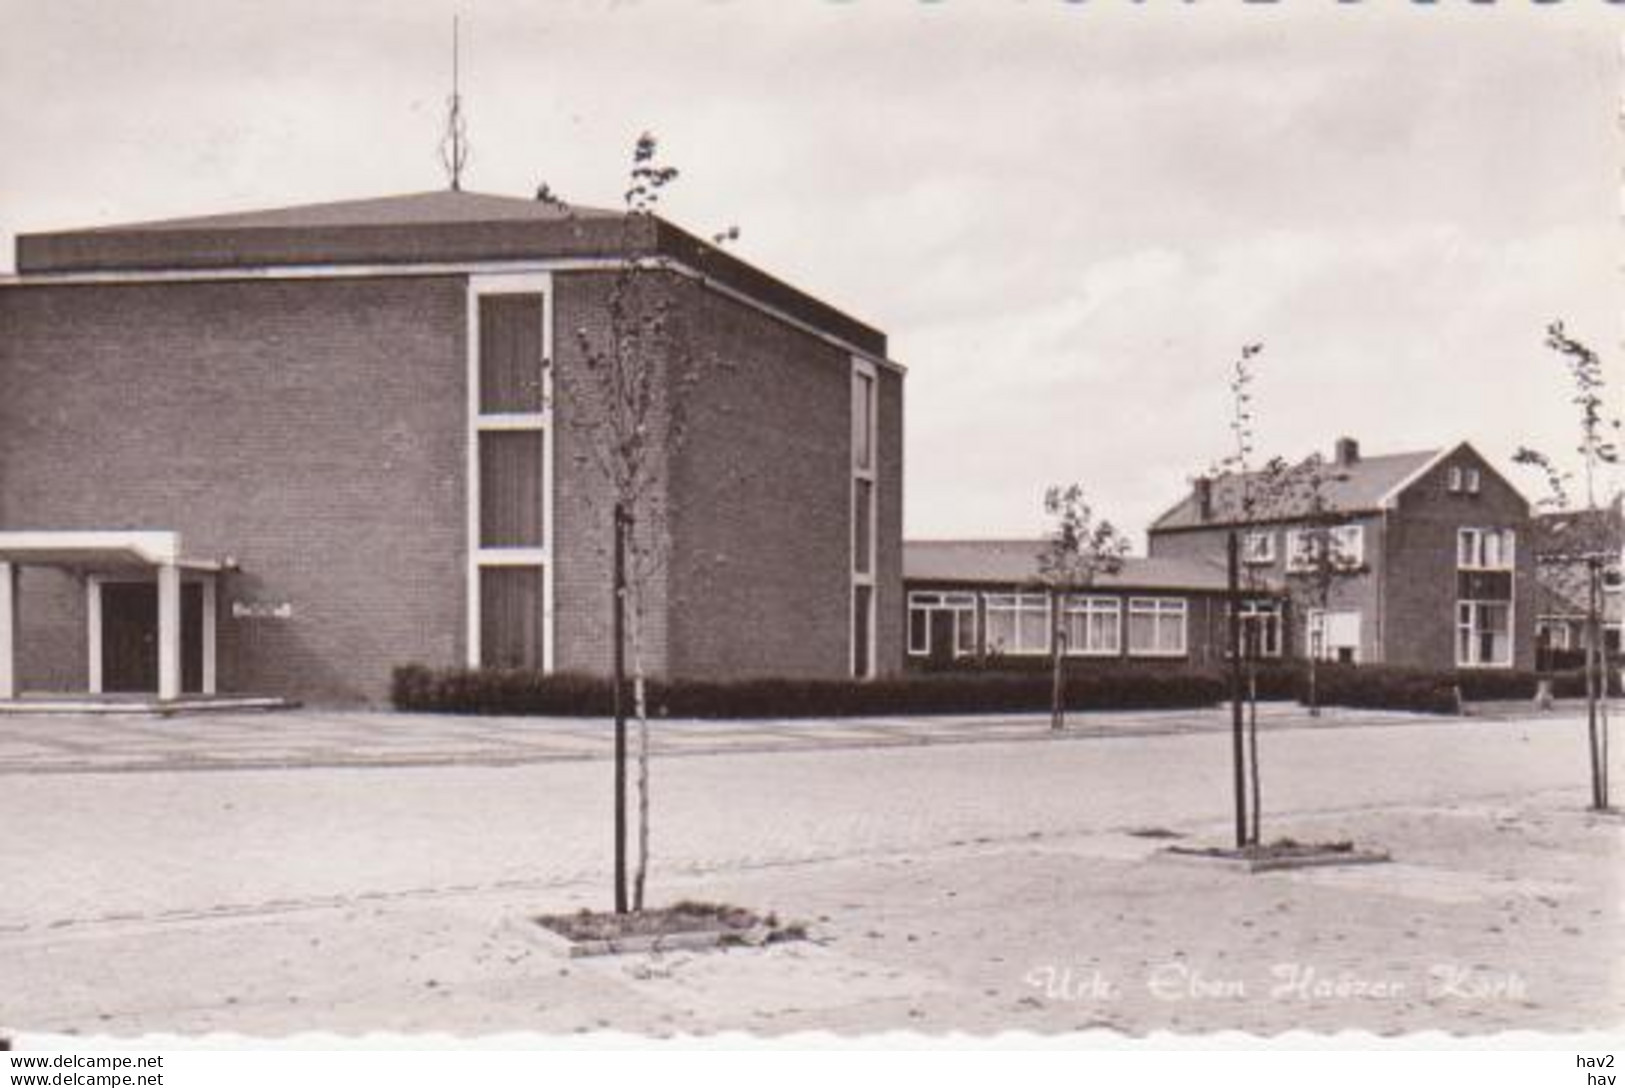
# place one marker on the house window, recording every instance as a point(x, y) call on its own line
point(1554, 633)
point(1485, 549)
point(1156, 626)
point(509, 472)
point(1342, 546)
point(863, 500)
point(1453, 480)
point(1472, 481)
point(1333, 636)
point(1017, 623)
point(1483, 634)
point(1258, 548)
point(942, 622)
point(1261, 628)
point(1093, 626)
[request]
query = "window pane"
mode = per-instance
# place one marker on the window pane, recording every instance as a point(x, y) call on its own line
point(965, 631)
point(511, 617)
point(919, 630)
point(863, 414)
point(511, 489)
point(511, 353)
point(863, 493)
point(862, 606)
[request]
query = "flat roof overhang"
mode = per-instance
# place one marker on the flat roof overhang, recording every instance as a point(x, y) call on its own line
point(99, 550)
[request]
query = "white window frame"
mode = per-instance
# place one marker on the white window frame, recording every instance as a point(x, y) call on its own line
point(1473, 544)
point(1088, 607)
point(1159, 608)
point(958, 606)
point(1474, 481)
point(1018, 605)
point(1472, 627)
point(1258, 548)
point(481, 557)
point(1270, 617)
point(863, 369)
point(1351, 554)
point(1453, 480)
point(1553, 627)
point(1315, 624)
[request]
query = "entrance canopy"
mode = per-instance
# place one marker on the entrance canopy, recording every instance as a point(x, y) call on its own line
point(98, 550)
point(110, 554)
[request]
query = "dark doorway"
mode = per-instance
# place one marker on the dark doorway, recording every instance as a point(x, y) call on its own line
point(942, 639)
point(130, 637)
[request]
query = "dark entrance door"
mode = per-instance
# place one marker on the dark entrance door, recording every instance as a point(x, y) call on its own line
point(942, 639)
point(130, 637)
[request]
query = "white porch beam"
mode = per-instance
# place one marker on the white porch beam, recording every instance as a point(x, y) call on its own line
point(169, 631)
point(8, 631)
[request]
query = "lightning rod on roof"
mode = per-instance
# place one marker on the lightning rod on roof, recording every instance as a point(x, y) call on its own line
point(454, 144)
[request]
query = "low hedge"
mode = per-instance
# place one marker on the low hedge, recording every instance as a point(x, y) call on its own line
point(499, 691)
point(1392, 687)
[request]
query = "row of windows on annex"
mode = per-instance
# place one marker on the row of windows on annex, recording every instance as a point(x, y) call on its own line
point(970, 624)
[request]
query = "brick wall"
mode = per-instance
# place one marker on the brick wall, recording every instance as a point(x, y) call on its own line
point(315, 430)
point(760, 577)
point(583, 501)
point(1421, 587)
point(311, 429)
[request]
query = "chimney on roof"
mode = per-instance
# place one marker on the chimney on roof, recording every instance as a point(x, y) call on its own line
point(1348, 452)
point(1204, 498)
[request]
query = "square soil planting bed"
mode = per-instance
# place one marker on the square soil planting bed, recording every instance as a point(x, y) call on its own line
point(1281, 854)
point(687, 925)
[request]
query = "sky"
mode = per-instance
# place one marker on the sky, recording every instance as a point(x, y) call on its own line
point(1068, 218)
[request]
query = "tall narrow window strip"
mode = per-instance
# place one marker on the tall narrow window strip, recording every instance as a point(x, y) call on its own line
point(511, 363)
point(511, 473)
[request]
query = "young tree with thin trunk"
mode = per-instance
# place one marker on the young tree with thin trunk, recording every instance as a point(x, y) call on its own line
point(1600, 543)
point(1077, 552)
point(1249, 500)
point(628, 407)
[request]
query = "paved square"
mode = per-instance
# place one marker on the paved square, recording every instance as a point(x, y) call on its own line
point(951, 881)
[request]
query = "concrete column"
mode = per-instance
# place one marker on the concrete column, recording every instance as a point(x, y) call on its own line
point(169, 631)
point(211, 583)
point(8, 631)
point(93, 633)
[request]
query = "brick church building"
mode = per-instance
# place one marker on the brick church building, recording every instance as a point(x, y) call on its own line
point(283, 452)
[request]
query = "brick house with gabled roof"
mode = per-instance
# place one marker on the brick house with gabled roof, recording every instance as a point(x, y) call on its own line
point(1565, 544)
point(1442, 575)
point(285, 451)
